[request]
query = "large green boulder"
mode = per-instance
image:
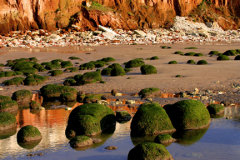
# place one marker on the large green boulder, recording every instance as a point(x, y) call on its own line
point(164, 138)
point(28, 133)
point(118, 71)
point(23, 97)
point(54, 91)
point(5, 98)
point(151, 119)
point(150, 92)
point(34, 79)
point(90, 119)
point(14, 81)
point(149, 151)
point(230, 53)
point(7, 121)
point(8, 106)
point(188, 114)
point(67, 97)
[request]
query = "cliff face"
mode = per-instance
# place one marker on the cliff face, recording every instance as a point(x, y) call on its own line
point(126, 14)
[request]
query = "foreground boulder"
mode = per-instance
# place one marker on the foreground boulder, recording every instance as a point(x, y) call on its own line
point(8, 106)
point(151, 119)
point(149, 151)
point(7, 121)
point(23, 97)
point(81, 141)
point(90, 119)
point(28, 134)
point(188, 114)
point(54, 91)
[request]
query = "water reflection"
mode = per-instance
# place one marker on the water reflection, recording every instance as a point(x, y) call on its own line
point(189, 137)
point(29, 145)
point(8, 133)
point(233, 112)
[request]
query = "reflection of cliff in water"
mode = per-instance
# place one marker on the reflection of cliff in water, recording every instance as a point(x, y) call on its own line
point(232, 111)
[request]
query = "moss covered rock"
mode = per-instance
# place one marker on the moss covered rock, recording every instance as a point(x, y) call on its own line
point(118, 71)
point(14, 81)
point(178, 52)
point(172, 62)
point(69, 82)
point(191, 61)
point(164, 138)
point(34, 79)
point(237, 57)
point(106, 71)
point(148, 69)
point(123, 116)
point(151, 119)
point(202, 62)
point(67, 97)
point(35, 105)
point(223, 57)
point(87, 66)
point(189, 54)
point(91, 119)
point(149, 92)
point(188, 114)
point(215, 109)
point(89, 77)
point(5, 98)
point(28, 133)
point(71, 69)
point(198, 55)
point(108, 59)
point(230, 53)
point(8, 106)
point(213, 53)
point(56, 72)
point(149, 151)
point(154, 58)
point(81, 141)
point(134, 63)
point(54, 91)
point(53, 66)
point(23, 97)
point(66, 64)
point(7, 121)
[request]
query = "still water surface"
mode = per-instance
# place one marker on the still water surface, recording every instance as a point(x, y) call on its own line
point(220, 141)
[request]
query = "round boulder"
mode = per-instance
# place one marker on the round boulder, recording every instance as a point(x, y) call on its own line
point(8, 106)
point(28, 133)
point(148, 69)
point(91, 119)
point(123, 116)
point(151, 119)
point(188, 114)
point(215, 109)
point(23, 97)
point(67, 97)
point(149, 150)
point(7, 121)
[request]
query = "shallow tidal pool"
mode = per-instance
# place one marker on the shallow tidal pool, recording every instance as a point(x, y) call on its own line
point(220, 141)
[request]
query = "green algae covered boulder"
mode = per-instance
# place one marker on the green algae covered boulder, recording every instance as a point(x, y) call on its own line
point(118, 71)
point(237, 57)
point(81, 141)
point(54, 91)
point(151, 119)
point(191, 61)
point(65, 64)
point(7, 121)
point(23, 97)
point(56, 72)
point(150, 92)
point(164, 138)
point(123, 116)
point(5, 98)
point(148, 69)
point(67, 97)
point(230, 53)
point(35, 105)
point(215, 109)
point(106, 71)
point(34, 79)
point(134, 63)
point(213, 53)
point(69, 82)
point(149, 151)
point(89, 77)
point(90, 119)
point(202, 62)
point(28, 133)
point(8, 106)
point(188, 114)
point(14, 81)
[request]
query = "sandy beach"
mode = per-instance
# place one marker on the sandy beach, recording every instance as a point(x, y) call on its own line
point(217, 75)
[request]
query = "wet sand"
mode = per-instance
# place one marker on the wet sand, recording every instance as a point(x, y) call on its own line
point(217, 75)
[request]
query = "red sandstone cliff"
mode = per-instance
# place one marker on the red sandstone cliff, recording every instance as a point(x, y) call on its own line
point(126, 14)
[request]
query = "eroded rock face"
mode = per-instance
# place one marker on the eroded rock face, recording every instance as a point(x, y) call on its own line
point(124, 14)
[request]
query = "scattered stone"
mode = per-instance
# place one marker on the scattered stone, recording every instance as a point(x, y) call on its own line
point(96, 140)
point(114, 91)
point(111, 147)
point(130, 102)
point(118, 94)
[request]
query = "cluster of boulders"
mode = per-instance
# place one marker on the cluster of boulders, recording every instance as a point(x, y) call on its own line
point(183, 30)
